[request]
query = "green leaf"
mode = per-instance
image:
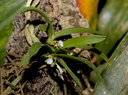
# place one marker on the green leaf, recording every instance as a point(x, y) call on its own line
point(98, 52)
point(49, 48)
point(27, 35)
point(50, 31)
point(8, 10)
point(85, 61)
point(75, 30)
point(93, 77)
point(113, 23)
point(32, 34)
point(43, 27)
point(32, 51)
point(70, 72)
point(83, 41)
point(115, 76)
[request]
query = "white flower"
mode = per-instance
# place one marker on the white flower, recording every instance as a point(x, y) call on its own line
point(60, 69)
point(60, 43)
point(71, 53)
point(60, 72)
point(49, 61)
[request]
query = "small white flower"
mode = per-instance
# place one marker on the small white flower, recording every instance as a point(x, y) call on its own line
point(60, 70)
point(49, 61)
point(71, 53)
point(60, 43)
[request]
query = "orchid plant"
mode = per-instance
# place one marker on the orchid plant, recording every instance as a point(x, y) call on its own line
point(57, 50)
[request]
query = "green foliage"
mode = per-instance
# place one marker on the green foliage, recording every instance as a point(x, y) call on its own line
point(83, 41)
point(50, 31)
point(30, 35)
point(93, 77)
point(116, 79)
point(32, 51)
point(55, 50)
point(113, 23)
point(85, 61)
point(70, 72)
point(8, 10)
point(75, 30)
point(43, 27)
point(96, 51)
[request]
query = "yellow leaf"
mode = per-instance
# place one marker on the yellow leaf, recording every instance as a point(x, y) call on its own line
point(88, 9)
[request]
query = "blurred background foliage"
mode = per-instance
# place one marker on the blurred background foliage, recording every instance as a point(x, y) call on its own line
point(8, 10)
point(112, 21)
point(108, 17)
point(115, 76)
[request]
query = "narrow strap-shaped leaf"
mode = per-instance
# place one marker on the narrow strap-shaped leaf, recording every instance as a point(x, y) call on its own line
point(85, 61)
point(83, 41)
point(32, 51)
point(102, 55)
point(70, 72)
point(50, 31)
point(49, 48)
point(75, 30)
point(98, 52)
point(33, 36)
point(30, 35)
point(27, 35)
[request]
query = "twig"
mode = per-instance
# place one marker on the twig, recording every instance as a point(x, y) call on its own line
point(17, 73)
point(15, 55)
point(1, 81)
point(13, 83)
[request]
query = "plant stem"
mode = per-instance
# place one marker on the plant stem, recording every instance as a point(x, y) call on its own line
point(50, 31)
